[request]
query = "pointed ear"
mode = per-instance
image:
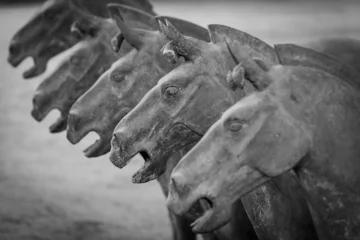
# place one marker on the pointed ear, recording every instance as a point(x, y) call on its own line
point(262, 64)
point(187, 28)
point(87, 24)
point(256, 48)
point(117, 41)
point(98, 7)
point(291, 54)
point(188, 47)
point(169, 53)
point(132, 36)
point(77, 31)
point(132, 16)
point(256, 71)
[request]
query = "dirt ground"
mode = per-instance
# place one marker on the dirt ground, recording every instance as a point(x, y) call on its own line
point(49, 190)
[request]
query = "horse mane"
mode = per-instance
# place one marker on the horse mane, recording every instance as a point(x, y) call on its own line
point(293, 55)
point(256, 47)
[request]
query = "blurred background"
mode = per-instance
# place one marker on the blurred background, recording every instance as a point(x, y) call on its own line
point(49, 190)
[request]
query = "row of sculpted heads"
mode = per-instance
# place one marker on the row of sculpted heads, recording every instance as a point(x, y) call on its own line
point(121, 78)
point(271, 131)
point(256, 118)
point(304, 119)
point(119, 88)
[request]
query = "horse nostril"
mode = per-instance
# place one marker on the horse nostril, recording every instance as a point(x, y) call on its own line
point(73, 120)
point(37, 99)
point(177, 182)
point(34, 101)
point(173, 184)
point(118, 139)
point(115, 140)
point(14, 47)
point(75, 127)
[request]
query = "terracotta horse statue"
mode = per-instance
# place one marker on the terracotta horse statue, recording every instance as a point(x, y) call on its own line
point(120, 88)
point(303, 119)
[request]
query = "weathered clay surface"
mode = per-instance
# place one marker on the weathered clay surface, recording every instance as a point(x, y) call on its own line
point(180, 109)
point(306, 119)
point(119, 89)
point(48, 32)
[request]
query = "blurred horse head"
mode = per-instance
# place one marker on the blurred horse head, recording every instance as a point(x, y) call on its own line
point(48, 32)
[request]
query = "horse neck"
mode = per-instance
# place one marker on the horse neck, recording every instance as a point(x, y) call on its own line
point(334, 123)
point(326, 105)
point(164, 179)
point(330, 110)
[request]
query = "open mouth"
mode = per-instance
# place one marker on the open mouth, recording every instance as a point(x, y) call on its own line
point(144, 153)
point(148, 171)
point(98, 148)
point(34, 71)
point(146, 156)
point(59, 125)
point(208, 207)
point(40, 112)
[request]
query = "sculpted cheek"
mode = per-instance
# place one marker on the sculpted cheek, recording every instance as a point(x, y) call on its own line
point(181, 134)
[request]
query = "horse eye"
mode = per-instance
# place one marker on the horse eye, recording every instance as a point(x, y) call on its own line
point(171, 90)
point(235, 125)
point(76, 61)
point(117, 77)
point(49, 15)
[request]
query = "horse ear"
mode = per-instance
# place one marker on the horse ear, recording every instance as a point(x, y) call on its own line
point(184, 46)
point(94, 12)
point(255, 69)
point(256, 48)
point(291, 54)
point(117, 41)
point(133, 36)
point(98, 7)
point(86, 25)
point(169, 53)
point(256, 72)
point(187, 28)
point(262, 64)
